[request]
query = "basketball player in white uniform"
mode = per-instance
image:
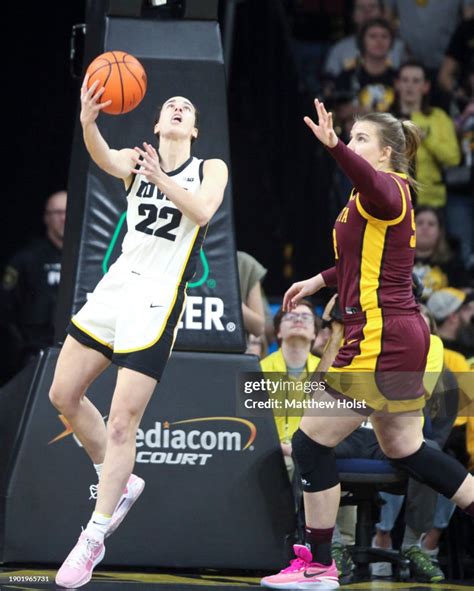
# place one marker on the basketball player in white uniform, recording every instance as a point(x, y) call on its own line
point(132, 316)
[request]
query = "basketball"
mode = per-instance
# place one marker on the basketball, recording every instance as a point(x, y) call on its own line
point(124, 80)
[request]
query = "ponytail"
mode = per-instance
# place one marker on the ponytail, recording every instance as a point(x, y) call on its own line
point(412, 140)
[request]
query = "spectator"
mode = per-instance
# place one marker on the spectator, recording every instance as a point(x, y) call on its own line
point(251, 274)
point(439, 146)
point(322, 336)
point(426, 27)
point(453, 311)
point(457, 67)
point(29, 288)
point(456, 77)
point(460, 212)
point(295, 332)
point(435, 264)
point(257, 346)
point(370, 80)
point(331, 312)
point(344, 54)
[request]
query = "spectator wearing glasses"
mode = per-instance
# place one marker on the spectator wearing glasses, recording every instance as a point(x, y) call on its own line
point(293, 361)
point(29, 289)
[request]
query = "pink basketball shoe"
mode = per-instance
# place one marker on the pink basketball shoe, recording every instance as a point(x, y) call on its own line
point(303, 573)
point(133, 490)
point(77, 569)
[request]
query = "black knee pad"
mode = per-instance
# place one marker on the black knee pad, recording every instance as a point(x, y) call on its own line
point(435, 468)
point(316, 463)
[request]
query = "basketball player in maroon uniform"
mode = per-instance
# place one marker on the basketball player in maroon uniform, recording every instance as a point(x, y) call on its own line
point(379, 368)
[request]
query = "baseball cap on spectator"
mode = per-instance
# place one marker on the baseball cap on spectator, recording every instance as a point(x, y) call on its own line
point(446, 301)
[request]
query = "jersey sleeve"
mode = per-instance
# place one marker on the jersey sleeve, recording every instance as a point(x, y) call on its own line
point(330, 277)
point(379, 193)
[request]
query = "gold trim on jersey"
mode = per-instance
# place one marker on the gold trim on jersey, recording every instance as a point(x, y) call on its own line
point(88, 333)
point(375, 220)
point(370, 268)
point(373, 243)
point(370, 347)
point(371, 265)
point(163, 326)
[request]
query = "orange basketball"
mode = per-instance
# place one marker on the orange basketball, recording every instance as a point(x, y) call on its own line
point(123, 77)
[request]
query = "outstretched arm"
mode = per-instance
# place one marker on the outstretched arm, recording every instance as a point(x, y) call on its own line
point(118, 163)
point(200, 206)
point(379, 193)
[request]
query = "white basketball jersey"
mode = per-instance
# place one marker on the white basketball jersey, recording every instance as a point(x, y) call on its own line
point(160, 240)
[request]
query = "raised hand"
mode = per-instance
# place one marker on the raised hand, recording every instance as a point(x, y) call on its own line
point(300, 290)
point(324, 129)
point(149, 166)
point(90, 105)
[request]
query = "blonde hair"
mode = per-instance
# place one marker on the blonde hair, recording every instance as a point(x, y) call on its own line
point(402, 136)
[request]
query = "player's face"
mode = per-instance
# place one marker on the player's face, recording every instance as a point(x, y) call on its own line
point(297, 323)
point(55, 214)
point(427, 230)
point(365, 142)
point(377, 41)
point(411, 85)
point(177, 119)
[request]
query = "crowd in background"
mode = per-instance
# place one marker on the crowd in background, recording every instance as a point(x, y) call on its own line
point(413, 59)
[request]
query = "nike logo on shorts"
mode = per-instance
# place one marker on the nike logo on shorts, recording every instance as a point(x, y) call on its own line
point(155, 306)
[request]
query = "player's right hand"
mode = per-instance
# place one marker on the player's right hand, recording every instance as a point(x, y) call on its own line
point(300, 290)
point(90, 105)
point(324, 129)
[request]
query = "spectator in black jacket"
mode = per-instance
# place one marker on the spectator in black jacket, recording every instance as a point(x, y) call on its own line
point(29, 288)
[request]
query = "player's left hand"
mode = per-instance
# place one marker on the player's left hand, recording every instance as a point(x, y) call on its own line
point(149, 165)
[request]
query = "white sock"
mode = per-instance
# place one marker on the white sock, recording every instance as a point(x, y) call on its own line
point(98, 469)
point(98, 525)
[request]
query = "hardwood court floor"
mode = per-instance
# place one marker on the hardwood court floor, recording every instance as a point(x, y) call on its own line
point(31, 580)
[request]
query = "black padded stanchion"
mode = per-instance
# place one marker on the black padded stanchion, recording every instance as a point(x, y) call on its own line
point(217, 494)
point(183, 58)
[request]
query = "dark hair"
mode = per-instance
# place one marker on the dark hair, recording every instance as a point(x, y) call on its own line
point(373, 22)
point(425, 101)
point(196, 119)
point(441, 253)
point(402, 136)
point(280, 313)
